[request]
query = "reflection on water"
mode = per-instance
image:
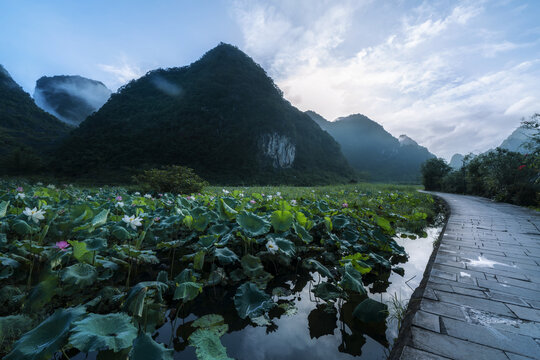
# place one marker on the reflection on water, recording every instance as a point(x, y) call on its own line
point(316, 330)
point(302, 326)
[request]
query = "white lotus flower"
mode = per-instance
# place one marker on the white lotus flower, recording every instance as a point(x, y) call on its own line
point(119, 204)
point(293, 202)
point(278, 193)
point(51, 186)
point(34, 214)
point(137, 193)
point(132, 221)
point(148, 196)
point(20, 196)
point(225, 191)
point(271, 246)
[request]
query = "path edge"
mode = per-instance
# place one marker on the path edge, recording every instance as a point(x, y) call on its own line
point(404, 335)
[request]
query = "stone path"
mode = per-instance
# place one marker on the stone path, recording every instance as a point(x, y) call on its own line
point(482, 298)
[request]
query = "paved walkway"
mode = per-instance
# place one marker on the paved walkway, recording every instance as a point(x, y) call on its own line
point(482, 299)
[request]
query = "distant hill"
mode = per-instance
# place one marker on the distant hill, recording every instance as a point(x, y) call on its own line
point(26, 131)
point(456, 162)
point(371, 149)
point(222, 116)
point(518, 140)
point(70, 98)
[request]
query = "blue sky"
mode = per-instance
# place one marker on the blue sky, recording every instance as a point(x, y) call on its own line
point(457, 76)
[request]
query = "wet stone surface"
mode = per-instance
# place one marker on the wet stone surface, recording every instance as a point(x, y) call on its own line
point(483, 295)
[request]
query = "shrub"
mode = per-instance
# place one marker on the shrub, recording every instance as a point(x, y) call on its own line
point(433, 172)
point(174, 179)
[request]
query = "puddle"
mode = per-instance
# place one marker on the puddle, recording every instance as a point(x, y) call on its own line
point(483, 262)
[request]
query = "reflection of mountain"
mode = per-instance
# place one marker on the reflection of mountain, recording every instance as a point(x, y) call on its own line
point(70, 98)
point(371, 149)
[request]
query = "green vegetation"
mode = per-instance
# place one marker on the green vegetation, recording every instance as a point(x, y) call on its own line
point(499, 174)
point(26, 131)
point(97, 269)
point(174, 179)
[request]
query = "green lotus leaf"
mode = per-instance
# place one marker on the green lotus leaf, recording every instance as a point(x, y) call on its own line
point(352, 279)
point(96, 244)
point(98, 332)
point(252, 265)
point(218, 229)
point(226, 256)
point(327, 291)
point(286, 246)
point(13, 325)
point(253, 225)
point(251, 302)
point(328, 223)
point(216, 277)
point(47, 338)
point(384, 223)
point(313, 264)
point(225, 211)
point(302, 233)
point(371, 311)
point(198, 260)
point(120, 233)
point(3, 208)
point(301, 218)
point(281, 220)
point(206, 241)
point(145, 348)
point(42, 293)
point(357, 260)
point(208, 321)
point(134, 302)
point(380, 260)
point(8, 267)
point(80, 252)
point(80, 274)
point(187, 291)
point(340, 221)
point(200, 219)
point(21, 227)
point(100, 219)
point(207, 343)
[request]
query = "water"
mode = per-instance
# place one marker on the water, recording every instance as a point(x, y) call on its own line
point(315, 331)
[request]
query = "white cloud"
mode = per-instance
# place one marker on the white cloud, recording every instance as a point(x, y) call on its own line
point(121, 73)
point(436, 76)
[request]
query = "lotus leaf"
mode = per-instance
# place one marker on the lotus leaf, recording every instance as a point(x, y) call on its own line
point(207, 241)
point(371, 311)
point(253, 225)
point(145, 348)
point(340, 221)
point(47, 338)
point(207, 344)
point(218, 229)
point(281, 220)
point(80, 252)
point(80, 274)
point(352, 279)
point(286, 246)
point(327, 291)
point(96, 244)
point(8, 267)
point(120, 233)
point(225, 211)
point(42, 293)
point(208, 321)
point(302, 233)
point(252, 265)
point(134, 302)
point(226, 256)
point(14, 325)
point(3, 208)
point(187, 291)
point(97, 332)
point(251, 302)
point(21, 227)
point(317, 266)
point(198, 260)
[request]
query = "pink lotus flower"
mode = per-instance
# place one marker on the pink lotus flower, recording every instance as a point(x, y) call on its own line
point(19, 189)
point(119, 198)
point(252, 202)
point(521, 167)
point(345, 205)
point(62, 245)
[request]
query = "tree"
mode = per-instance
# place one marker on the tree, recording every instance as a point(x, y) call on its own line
point(433, 172)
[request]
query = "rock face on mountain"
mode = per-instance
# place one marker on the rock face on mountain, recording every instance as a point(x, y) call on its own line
point(70, 98)
point(26, 131)
point(371, 149)
point(222, 116)
point(519, 139)
point(456, 162)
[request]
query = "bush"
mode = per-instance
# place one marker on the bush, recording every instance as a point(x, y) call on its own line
point(433, 172)
point(173, 179)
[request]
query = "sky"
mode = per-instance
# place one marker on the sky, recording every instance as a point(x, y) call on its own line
point(456, 76)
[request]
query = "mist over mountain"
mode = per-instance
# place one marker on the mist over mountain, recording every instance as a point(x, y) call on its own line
point(372, 150)
point(222, 116)
point(26, 131)
point(70, 98)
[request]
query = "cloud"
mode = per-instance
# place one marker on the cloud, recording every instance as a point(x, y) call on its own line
point(121, 73)
point(436, 74)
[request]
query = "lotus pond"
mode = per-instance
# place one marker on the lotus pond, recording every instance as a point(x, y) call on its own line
point(246, 273)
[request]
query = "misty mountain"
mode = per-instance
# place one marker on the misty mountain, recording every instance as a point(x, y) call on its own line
point(519, 140)
point(222, 116)
point(372, 150)
point(70, 98)
point(25, 129)
point(456, 162)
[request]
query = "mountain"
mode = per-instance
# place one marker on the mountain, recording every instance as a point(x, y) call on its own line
point(372, 150)
point(519, 139)
point(26, 131)
point(456, 162)
point(222, 116)
point(70, 98)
